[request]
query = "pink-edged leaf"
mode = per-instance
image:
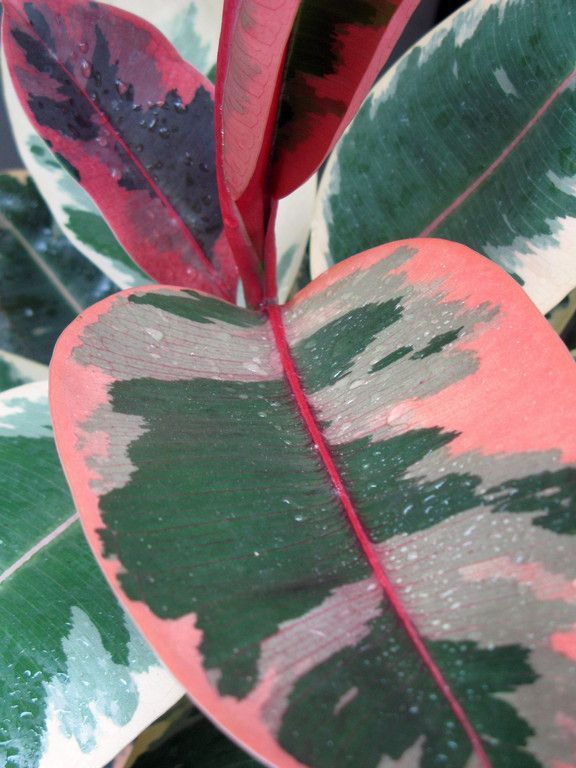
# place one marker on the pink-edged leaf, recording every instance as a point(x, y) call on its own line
point(134, 123)
point(347, 524)
point(324, 56)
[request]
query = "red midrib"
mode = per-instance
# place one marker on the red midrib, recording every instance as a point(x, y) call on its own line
point(105, 122)
point(500, 159)
point(274, 313)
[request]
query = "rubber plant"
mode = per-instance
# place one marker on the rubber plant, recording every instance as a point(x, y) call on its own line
point(346, 524)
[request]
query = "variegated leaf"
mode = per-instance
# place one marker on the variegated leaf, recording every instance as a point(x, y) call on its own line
point(471, 136)
point(77, 682)
point(336, 52)
point(347, 525)
point(291, 75)
point(134, 123)
point(44, 281)
point(192, 26)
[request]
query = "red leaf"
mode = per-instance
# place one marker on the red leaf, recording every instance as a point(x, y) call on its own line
point(337, 51)
point(323, 57)
point(134, 123)
point(250, 58)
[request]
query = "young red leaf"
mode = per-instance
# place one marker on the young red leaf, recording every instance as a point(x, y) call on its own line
point(134, 123)
point(250, 56)
point(347, 525)
point(290, 77)
point(336, 52)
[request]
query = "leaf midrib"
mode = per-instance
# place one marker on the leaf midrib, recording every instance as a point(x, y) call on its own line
point(274, 315)
point(38, 547)
point(502, 157)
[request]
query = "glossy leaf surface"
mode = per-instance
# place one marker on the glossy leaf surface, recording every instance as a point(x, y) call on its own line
point(336, 52)
point(324, 55)
point(134, 122)
point(44, 281)
point(192, 26)
point(74, 210)
point(472, 137)
point(77, 682)
point(291, 75)
point(346, 525)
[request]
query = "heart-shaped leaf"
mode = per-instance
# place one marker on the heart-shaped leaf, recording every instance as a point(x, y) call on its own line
point(77, 682)
point(291, 75)
point(471, 136)
point(347, 525)
point(44, 281)
point(134, 122)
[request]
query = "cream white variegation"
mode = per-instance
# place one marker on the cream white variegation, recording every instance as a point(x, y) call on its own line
point(471, 137)
point(77, 682)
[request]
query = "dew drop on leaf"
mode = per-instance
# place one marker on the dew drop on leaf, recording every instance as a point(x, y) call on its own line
point(83, 46)
point(85, 68)
point(121, 87)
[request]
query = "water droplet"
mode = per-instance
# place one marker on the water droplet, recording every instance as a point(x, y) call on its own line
point(83, 46)
point(121, 87)
point(85, 68)
point(102, 141)
point(139, 147)
point(203, 167)
point(152, 123)
point(155, 333)
point(115, 173)
point(207, 199)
